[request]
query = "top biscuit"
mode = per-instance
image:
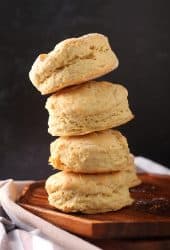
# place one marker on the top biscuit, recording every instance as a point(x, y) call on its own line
point(73, 61)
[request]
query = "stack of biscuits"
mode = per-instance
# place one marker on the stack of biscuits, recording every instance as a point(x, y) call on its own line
point(96, 166)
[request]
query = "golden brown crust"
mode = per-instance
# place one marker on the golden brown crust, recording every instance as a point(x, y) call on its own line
point(73, 61)
point(92, 106)
point(99, 152)
point(95, 193)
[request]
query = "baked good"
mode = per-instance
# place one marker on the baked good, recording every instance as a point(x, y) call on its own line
point(131, 176)
point(98, 152)
point(94, 193)
point(92, 106)
point(73, 61)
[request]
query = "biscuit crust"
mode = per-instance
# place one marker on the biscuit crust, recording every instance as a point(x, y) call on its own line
point(92, 106)
point(85, 193)
point(99, 152)
point(73, 61)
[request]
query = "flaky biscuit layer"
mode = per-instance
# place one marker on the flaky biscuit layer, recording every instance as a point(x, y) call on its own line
point(92, 106)
point(73, 61)
point(98, 152)
point(91, 193)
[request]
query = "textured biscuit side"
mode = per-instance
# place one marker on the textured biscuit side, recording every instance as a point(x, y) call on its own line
point(93, 106)
point(69, 125)
point(79, 72)
point(99, 152)
point(73, 61)
point(67, 52)
point(91, 184)
point(89, 98)
point(69, 201)
point(93, 193)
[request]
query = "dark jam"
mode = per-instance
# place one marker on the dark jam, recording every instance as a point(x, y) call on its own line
point(157, 206)
point(144, 188)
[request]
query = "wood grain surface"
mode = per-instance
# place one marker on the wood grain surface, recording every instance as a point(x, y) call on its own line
point(148, 217)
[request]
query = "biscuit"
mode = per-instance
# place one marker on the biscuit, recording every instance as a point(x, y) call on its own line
point(89, 194)
point(73, 61)
point(131, 176)
point(92, 106)
point(99, 152)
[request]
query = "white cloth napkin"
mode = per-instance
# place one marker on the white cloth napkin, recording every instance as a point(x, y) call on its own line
point(22, 230)
point(149, 166)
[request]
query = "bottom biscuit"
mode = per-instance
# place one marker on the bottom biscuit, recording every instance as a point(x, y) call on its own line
point(90, 193)
point(70, 202)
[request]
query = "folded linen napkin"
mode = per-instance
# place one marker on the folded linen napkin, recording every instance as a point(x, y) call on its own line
point(149, 166)
point(22, 230)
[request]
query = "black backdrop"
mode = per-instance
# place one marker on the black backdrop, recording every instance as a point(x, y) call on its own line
point(138, 32)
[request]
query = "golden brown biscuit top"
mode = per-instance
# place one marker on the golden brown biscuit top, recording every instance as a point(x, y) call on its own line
point(66, 52)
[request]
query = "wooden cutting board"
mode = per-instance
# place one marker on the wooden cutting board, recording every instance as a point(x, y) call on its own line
point(149, 216)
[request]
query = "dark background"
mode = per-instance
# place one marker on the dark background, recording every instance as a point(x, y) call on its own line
point(138, 32)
